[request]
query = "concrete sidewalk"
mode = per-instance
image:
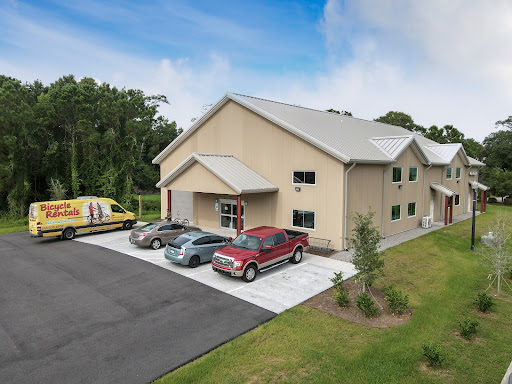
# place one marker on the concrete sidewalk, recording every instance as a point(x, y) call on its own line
point(402, 237)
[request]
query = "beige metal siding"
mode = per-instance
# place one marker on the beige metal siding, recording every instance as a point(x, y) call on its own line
point(273, 153)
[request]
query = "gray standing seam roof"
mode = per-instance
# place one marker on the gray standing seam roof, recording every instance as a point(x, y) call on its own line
point(441, 188)
point(348, 139)
point(230, 170)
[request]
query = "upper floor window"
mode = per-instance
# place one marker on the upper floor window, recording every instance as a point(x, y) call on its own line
point(397, 174)
point(448, 173)
point(304, 177)
point(413, 174)
point(458, 172)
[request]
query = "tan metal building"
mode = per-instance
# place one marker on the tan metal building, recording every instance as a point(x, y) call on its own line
point(252, 162)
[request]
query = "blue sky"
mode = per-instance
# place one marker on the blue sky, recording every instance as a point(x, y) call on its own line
point(442, 62)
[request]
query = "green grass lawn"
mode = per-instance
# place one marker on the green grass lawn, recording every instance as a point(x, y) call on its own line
point(8, 225)
point(305, 345)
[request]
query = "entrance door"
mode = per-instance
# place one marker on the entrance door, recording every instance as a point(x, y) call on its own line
point(228, 214)
point(470, 203)
point(432, 209)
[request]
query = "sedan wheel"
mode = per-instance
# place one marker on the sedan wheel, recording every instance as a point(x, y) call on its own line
point(193, 262)
point(156, 243)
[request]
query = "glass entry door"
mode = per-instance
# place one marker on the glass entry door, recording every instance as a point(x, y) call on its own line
point(228, 214)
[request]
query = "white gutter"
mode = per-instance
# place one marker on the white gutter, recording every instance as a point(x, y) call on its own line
point(383, 199)
point(346, 207)
point(423, 194)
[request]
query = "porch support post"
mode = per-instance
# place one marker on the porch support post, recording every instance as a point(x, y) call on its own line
point(238, 215)
point(169, 201)
point(446, 210)
point(482, 204)
point(451, 209)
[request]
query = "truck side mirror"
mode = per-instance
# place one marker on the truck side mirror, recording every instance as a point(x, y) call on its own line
point(230, 239)
point(268, 248)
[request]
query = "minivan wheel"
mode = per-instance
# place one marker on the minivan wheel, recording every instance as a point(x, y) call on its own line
point(297, 256)
point(156, 243)
point(193, 262)
point(249, 274)
point(68, 234)
point(127, 224)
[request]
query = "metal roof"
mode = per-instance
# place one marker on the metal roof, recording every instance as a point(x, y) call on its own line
point(476, 184)
point(475, 162)
point(349, 139)
point(230, 170)
point(449, 151)
point(441, 188)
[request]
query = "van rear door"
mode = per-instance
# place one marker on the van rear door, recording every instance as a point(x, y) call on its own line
point(32, 219)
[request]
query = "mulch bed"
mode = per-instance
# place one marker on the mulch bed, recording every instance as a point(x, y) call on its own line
point(320, 253)
point(384, 319)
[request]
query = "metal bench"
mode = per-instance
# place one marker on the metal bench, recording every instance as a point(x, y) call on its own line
point(320, 245)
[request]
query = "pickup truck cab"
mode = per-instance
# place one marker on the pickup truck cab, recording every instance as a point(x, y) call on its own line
point(259, 249)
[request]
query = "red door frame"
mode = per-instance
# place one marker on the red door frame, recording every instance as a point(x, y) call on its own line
point(169, 207)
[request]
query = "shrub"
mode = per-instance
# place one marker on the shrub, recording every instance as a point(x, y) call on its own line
point(396, 302)
point(367, 305)
point(483, 302)
point(341, 297)
point(492, 200)
point(507, 201)
point(467, 327)
point(340, 294)
point(434, 354)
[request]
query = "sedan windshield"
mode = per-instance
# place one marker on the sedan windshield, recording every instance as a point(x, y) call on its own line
point(247, 242)
point(148, 227)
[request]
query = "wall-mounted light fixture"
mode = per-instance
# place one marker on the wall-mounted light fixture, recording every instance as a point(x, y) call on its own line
point(458, 181)
point(297, 189)
point(400, 186)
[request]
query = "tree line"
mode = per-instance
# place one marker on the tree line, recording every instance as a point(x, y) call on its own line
point(77, 136)
point(495, 151)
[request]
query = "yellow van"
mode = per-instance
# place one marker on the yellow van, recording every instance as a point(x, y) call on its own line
point(65, 218)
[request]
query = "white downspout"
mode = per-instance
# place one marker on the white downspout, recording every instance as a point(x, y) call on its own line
point(346, 207)
point(423, 194)
point(383, 199)
point(465, 185)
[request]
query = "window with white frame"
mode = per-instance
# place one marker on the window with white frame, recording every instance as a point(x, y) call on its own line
point(457, 199)
point(397, 174)
point(413, 174)
point(411, 209)
point(395, 212)
point(448, 173)
point(304, 177)
point(458, 172)
point(303, 219)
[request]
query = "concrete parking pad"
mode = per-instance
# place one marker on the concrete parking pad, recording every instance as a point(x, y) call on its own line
point(72, 312)
point(276, 290)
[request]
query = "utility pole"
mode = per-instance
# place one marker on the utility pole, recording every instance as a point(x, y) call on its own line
point(473, 225)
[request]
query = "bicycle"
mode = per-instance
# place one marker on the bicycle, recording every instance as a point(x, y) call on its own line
point(177, 220)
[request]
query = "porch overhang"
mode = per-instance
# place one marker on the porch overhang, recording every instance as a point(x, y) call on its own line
point(477, 185)
point(441, 188)
point(216, 173)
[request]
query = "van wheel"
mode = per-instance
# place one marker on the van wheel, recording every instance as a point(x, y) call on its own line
point(127, 225)
point(68, 234)
point(249, 274)
point(297, 256)
point(193, 262)
point(156, 243)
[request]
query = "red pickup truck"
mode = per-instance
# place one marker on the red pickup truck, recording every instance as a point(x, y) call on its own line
point(259, 249)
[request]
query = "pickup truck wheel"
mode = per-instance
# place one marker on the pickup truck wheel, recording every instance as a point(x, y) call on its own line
point(68, 234)
point(156, 244)
point(249, 274)
point(193, 262)
point(297, 256)
point(127, 224)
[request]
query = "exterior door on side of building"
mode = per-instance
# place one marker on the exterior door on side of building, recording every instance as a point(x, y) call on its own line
point(227, 214)
point(432, 209)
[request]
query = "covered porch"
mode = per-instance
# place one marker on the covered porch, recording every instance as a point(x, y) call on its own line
point(223, 188)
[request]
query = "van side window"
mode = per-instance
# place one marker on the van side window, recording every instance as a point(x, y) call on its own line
point(117, 209)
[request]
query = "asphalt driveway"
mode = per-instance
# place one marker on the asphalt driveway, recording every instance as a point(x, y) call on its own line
point(72, 312)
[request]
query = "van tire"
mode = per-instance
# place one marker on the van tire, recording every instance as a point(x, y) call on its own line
point(127, 225)
point(68, 234)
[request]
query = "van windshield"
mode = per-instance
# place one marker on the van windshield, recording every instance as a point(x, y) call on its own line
point(247, 242)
